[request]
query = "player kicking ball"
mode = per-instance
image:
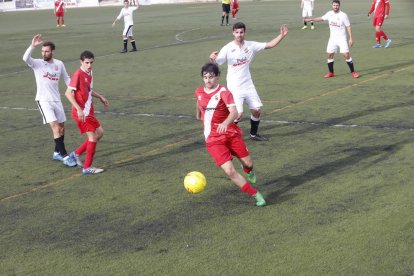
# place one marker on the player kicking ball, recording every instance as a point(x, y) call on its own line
point(217, 109)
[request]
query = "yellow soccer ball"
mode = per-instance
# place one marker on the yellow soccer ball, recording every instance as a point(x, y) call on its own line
point(195, 182)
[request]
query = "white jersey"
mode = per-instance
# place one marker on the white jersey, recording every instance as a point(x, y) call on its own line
point(128, 14)
point(47, 76)
point(307, 4)
point(238, 60)
point(337, 24)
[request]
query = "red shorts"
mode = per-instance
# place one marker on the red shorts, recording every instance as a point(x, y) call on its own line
point(235, 6)
point(59, 14)
point(378, 21)
point(90, 124)
point(224, 150)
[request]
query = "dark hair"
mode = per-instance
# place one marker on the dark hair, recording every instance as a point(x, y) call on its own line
point(239, 25)
point(49, 44)
point(211, 68)
point(126, 1)
point(336, 1)
point(86, 55)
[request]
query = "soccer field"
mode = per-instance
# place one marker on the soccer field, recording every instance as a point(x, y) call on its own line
point(337, 172)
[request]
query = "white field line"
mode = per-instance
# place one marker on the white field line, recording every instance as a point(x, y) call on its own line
point(278, 122)
point(177, 38)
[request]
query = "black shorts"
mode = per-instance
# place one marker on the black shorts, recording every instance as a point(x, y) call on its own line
point(226, 8)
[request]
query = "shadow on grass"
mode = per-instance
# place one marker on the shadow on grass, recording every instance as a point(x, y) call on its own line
point(285, 184)
point(311, 126)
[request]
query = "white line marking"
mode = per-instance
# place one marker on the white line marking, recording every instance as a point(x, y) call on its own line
point(184, 116)
point(177, 37)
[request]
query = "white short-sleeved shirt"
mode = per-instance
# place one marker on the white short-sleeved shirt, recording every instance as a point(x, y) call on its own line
point(47, 76)
point(307, 4)
point(238, 60)
point(337, 24)
point(128, 14)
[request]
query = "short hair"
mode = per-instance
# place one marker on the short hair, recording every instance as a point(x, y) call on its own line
point(239, 25)
point(49, 44)
point(211, 68)
point(86, 55)
point(336, 1)
point(126, 1)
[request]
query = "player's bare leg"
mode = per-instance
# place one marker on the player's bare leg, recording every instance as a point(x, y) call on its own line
point(242, 183)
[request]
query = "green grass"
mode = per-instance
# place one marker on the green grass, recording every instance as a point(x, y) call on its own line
point(337, 173)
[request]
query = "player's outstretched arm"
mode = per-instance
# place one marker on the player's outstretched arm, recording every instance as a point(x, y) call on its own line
point(283, 32)
point(316, 19)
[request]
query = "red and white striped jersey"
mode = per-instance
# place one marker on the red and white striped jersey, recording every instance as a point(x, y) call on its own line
point(214, 110)
point(380, 8)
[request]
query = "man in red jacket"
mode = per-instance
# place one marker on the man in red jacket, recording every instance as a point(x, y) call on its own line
point(381, 9)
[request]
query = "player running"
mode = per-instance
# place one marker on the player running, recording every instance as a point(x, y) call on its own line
point(381, 9)
point(217, 110)
point(234, 8)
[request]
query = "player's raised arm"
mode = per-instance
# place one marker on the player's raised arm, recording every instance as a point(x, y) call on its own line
point(283, 32)
point(37, 40)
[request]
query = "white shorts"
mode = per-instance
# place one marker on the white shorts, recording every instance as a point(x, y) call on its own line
point(307, 12)
point(128, 30)
point(333, 45)
point(248, 95)
point(51, 112)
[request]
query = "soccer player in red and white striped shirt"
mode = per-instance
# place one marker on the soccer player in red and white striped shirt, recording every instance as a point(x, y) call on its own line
point(381, 10)
point(60, 8)
point(217, 110)
point(79, 93)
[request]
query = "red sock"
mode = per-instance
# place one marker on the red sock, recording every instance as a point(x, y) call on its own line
point(233, 13)
point(248, 189)
point(378, 37)
point(247, 170)
point(82, 148)
point(90, 152)
point(382, 33)
point(63, 21)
